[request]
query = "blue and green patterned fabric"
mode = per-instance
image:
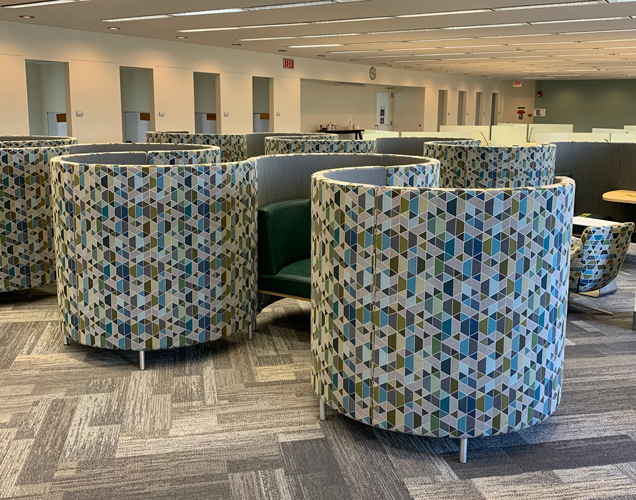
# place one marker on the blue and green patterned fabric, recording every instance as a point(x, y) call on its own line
point(473, 166)
point(154, 257)
point(440, 312)
point(27, 259)
point(233, 146)
point(312, 144)
point(598, 256)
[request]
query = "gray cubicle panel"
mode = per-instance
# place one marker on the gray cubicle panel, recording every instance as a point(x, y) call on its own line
point(599, 167)
point(413, 146)
point(288, 177)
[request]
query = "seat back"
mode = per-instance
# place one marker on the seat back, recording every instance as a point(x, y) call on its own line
point(284, 234)
point(599, 256)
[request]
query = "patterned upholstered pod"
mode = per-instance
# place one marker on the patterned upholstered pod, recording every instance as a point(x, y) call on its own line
point(598, 256)
point(158, 154)
point(256, 140)
point(470, 166)
point(26, 234)
point(310, 144)
point(153, 257)
point(233, 146)
point(439, 312)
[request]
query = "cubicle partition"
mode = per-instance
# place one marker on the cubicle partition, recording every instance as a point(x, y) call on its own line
point(411, 146)
point(599, 167)
point(233, 146)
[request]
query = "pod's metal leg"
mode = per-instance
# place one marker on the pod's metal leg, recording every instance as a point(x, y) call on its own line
point(250, 332)
point(66, 342)
point(463, 451)
point(142, 360)
point(323, 411)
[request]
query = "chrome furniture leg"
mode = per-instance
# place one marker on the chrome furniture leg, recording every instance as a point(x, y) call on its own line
point(142, 360)
point(463, 451)
point(323, 411)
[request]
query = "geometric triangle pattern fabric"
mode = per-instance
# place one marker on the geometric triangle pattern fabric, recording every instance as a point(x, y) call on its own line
point(312, 144)
point(452, 322)
point(470, 166)
point(27, 259)
point(598, 256)
point(34, 141)
point(155, 257)
point(233, 146)
point(343, 253)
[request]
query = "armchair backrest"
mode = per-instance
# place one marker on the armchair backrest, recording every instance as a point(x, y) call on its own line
point(599, 256)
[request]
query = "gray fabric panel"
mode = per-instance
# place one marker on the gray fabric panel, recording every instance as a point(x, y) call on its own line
point(288, 177)
point(595, 166)
point(128, 147)
point(394, 160)
point(406, 145)
point(109, 158)
point(374, 176)
point(627, 180)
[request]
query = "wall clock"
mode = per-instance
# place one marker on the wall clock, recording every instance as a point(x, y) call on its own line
point(373, 73)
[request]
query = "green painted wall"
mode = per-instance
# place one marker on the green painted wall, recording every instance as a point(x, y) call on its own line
point(588, 103)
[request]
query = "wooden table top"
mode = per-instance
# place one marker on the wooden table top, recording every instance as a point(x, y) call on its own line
point(621, 196)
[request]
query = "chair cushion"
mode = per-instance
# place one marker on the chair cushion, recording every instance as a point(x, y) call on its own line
point(284, 235)
point(294, 280)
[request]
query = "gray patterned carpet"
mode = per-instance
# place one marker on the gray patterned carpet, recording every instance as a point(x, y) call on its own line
point(238, 420)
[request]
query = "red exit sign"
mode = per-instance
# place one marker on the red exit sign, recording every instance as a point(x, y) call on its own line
point(288, 63)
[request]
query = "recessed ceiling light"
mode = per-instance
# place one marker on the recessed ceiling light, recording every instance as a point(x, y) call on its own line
point(40, 3)
point(231, 10)
point(182, 37)
point(237, 44)
point(27, 17)
point(321, 55)
point(114, 28)
point(282, 50)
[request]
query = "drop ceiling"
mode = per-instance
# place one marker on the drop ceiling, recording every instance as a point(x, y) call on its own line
point(493, 38)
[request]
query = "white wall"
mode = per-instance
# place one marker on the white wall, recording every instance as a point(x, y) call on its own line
point(325, 102)
point(286, 103)
point(14, 111)
point(174, 97)
point(234, 114)
point(94, 60)
point(95, 92)
point(408, 109)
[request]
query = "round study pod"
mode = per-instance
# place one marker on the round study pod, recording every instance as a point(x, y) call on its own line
point(233, 146)
point(256, 140)
point(156, 153)
point(309, 144)
point(471, 165)
point(457, 320)
point(284, 215)
point(153, 257)
point(27, 259)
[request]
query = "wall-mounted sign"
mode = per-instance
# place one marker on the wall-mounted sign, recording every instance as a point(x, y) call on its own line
point(288, 63)
point(539, 112)
point(521, 110)
point(516, 83)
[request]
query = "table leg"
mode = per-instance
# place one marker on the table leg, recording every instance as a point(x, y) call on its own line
point(359, 136)
point(634, 319)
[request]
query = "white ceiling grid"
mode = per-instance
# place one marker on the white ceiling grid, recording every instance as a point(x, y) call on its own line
point(493, 38)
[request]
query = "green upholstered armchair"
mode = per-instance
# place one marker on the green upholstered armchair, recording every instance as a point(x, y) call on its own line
point(284, 249)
